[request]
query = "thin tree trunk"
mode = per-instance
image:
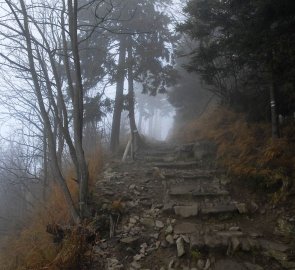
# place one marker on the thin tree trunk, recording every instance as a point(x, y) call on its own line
point(45, 166)
point(115, 134)
point(78, 109)
point(60, 136)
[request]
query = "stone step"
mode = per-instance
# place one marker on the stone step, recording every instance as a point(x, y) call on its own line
point(187, 211)
point(219, 209)
point(229, 242)
point(160, 147)
point(176, 165)
point(194, 210)
point(160, 159)
point(194, 190)
point(197, 239)
point(196, 176)
point(186, 228)
point(157, 153)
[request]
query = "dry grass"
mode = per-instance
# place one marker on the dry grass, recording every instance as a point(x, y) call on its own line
point(246, 150)
point(33, 247)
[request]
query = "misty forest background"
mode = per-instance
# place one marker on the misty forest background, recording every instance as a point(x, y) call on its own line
point(79, 78)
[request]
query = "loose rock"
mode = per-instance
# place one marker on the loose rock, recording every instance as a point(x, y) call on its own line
point(169, 239)
point(180, 247)
point(186, 211)
point(169, 230)
point(159, 224)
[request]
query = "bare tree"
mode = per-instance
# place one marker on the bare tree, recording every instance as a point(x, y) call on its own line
point(41, 48)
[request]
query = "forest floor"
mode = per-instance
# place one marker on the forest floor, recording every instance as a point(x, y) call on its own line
point(171, 211)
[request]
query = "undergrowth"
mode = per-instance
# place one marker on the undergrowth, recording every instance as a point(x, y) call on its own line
point(32, 247)
point(246, 149)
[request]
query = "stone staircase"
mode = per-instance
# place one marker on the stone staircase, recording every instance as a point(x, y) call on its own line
point(179, 214)
point(205, 214)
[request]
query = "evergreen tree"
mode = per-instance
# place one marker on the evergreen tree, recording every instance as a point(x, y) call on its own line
point(138, 48)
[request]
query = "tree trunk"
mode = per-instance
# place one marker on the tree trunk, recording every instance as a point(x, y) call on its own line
point(140, 118)
point(45, 166)
point(274, 115)
point(78, 109)
point(115, 133)
point(135, 139)
point(272, 94)
point(155, 122)
point(151, 121)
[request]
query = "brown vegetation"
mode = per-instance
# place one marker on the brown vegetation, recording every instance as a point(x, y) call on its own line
point(245, 149)
point(35, 248)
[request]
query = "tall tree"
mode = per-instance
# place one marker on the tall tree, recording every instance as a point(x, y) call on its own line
point(149, 54)
point(119, 100)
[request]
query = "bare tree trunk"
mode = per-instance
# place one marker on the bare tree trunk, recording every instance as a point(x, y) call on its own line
point(45, 166)
point(135, 139)
point(60, 136)
point(115, 134)
point(78, 108)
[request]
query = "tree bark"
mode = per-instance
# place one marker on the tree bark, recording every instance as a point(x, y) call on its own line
point(78, 108)
point(135, 139)
point(140, 118)
point(115, 133)
point(45, 166)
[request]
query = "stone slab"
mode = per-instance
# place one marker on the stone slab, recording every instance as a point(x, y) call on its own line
point(183, 190)
point(185, 228)
point(218, 209)
point(194, 191)
point(187, 211)
point(176, 165)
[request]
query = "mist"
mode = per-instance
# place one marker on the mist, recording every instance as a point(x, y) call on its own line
point(104, 102)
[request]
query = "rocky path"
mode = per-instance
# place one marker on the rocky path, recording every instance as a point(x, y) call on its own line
point(172, 210)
